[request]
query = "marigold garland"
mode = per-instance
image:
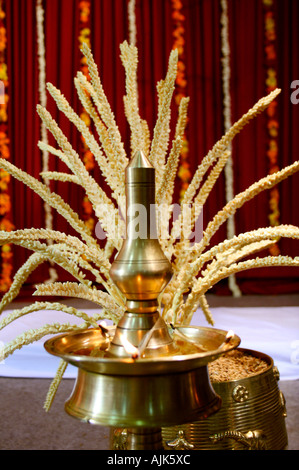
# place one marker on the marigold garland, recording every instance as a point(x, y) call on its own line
point(272, 117)
point(184, 172)
point(5, 200)
point(88, 158)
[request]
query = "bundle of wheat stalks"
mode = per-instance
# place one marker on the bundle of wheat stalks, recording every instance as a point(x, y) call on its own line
point(196, 266)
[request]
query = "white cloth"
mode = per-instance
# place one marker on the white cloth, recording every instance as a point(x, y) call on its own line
point(273, 331)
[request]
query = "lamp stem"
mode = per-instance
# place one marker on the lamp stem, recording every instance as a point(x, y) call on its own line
point(144, 439)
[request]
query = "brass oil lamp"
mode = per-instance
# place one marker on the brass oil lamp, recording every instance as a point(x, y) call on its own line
point(143, 374)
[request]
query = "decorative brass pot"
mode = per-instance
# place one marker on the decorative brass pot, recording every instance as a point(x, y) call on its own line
point(252, 416)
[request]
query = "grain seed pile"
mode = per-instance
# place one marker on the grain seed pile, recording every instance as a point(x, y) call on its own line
point(236, 365)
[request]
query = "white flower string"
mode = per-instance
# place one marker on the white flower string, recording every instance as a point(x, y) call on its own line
point(228, 170)
point(43, 101)
point(132, 22)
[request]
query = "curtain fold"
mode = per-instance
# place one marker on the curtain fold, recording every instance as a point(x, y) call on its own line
point(109, 27)
point(27, 209)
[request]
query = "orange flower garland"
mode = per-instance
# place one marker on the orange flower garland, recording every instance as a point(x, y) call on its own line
point(272, 120)
point(88, 158)
point(184, 172)
point(5, 201)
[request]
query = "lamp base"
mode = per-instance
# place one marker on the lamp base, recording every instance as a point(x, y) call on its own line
point(144, 439)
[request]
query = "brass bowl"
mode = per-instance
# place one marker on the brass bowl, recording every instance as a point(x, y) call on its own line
point(252, 416)
point(147, 392)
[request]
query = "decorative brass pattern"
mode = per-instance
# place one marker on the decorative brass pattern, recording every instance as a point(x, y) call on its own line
point(240, 393)
point(264, 409)
point(180, 442)
point(276, 373)
point(283, 404)
point(252, 440)
point(119, 439)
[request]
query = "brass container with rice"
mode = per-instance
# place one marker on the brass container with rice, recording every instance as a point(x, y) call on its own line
point(253, 411)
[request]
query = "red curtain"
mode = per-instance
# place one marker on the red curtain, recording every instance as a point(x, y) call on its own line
point(155, 23)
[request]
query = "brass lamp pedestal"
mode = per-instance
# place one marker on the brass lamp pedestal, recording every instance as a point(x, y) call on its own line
point(141, 271)
point(142, 375)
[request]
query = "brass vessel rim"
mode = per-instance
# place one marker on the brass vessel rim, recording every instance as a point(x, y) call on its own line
point(140, 366)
